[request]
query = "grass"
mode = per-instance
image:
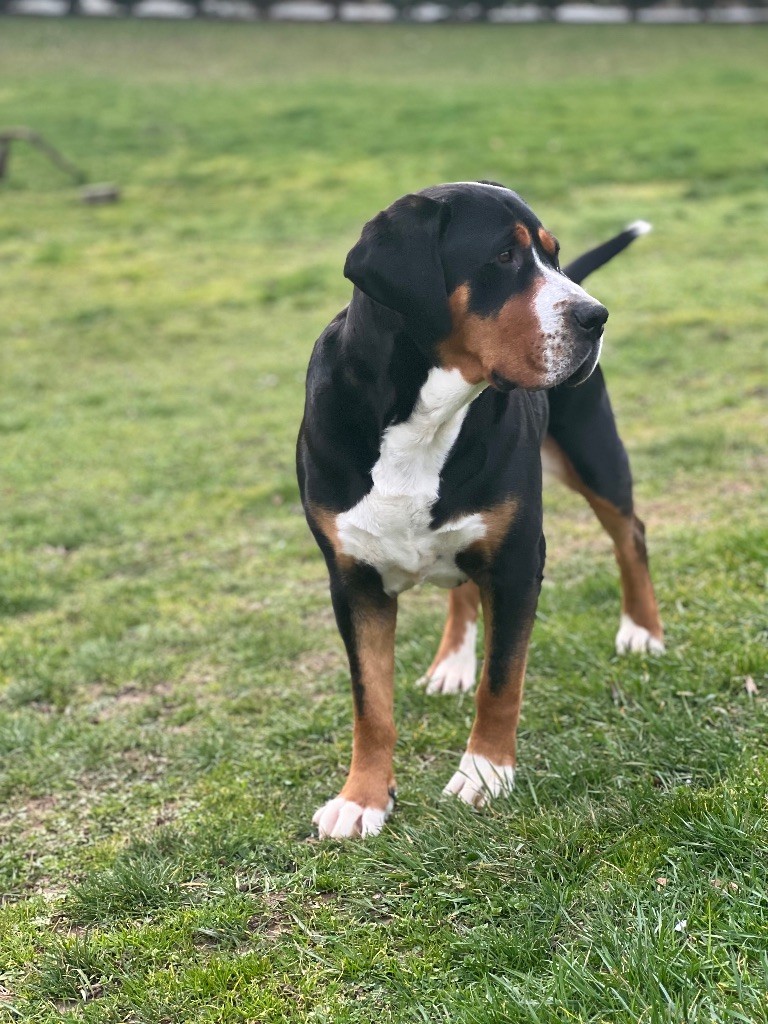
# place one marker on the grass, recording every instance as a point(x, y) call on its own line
point(173, 699)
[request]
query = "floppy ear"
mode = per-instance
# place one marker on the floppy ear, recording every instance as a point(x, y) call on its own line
point(397, 263)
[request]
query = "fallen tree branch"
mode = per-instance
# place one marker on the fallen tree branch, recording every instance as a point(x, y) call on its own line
point(10, 135)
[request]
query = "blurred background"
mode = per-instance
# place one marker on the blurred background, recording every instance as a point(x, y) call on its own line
point(663, 11)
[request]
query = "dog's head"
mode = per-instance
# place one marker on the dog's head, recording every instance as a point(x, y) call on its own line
point(476, 278)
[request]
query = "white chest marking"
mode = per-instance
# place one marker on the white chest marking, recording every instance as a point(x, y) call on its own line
point(390, 527)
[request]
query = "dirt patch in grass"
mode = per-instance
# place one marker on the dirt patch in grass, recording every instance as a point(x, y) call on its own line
point(32, 815)
point(320, 664)
point(274, 921)
point(107, 706)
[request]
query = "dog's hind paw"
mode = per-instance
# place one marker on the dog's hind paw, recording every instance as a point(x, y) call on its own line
point(455, 673)
point(449, 678)
point(636, 639)
point(479, 779)
point(344, 819)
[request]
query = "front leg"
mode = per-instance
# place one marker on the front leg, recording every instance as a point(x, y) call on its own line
point(509, 599)
point(366, 618)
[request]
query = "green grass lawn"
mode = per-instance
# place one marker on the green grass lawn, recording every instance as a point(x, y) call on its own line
point(173, 699)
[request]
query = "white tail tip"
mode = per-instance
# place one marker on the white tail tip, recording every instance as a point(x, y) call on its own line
point(639, 227)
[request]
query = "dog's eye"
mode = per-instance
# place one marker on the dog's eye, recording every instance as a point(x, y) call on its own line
point(506, 257)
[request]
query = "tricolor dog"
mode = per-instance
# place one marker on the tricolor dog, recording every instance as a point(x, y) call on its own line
point(465, 358)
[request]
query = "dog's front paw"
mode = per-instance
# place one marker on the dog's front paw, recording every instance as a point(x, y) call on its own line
point(479, 779)
point(636, 639)
point(344, 819)
point(455, 672)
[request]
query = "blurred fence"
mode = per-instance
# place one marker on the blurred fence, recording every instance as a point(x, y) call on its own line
point(498, 11)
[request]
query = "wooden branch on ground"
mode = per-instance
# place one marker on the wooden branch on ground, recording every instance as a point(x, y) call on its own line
point(10, 135)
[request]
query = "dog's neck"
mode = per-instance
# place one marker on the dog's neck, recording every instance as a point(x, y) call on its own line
point(370, 337)
point(393, 368)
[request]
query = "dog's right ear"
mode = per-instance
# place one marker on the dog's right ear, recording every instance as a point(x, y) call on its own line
point(397, 263)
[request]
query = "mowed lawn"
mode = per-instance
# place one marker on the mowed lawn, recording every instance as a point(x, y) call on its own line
point(173, 698)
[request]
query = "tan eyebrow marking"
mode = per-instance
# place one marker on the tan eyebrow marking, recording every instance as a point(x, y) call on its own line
point(522, 234)
point(548, 242)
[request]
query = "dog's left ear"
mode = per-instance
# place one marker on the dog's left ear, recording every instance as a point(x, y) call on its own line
point(397, 263)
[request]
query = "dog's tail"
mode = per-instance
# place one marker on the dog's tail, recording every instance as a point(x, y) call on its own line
point(590, 261)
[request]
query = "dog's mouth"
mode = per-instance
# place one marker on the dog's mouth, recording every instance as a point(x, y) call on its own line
point(501, 383)
point(585, 370)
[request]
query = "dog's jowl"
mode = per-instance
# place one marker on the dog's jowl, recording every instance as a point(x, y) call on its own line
point(464, 360)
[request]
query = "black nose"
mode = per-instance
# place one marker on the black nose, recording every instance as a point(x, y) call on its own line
point(590, 316)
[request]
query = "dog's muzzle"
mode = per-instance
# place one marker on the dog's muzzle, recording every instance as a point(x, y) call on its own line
point(588, 321)
point(587, 368)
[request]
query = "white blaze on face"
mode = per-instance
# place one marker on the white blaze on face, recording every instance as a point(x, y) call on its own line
point(554, 300)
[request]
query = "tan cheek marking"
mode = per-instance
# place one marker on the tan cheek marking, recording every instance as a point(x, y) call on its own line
point(547, 241)
point(509, 343)
point(520, 337)
point(454, 352)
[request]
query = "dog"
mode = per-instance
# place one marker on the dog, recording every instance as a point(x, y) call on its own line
point(464, 359)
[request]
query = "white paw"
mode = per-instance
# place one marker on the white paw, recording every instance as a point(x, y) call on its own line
point(456, 672)
point(344, 819)
point(478, 779)
point(637, 639)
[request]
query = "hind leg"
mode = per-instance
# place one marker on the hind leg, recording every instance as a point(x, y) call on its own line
point(584, 450)
point(454, 666)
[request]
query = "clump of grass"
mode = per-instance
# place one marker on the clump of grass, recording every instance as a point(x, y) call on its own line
point(73, 969)
point(134, 886)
